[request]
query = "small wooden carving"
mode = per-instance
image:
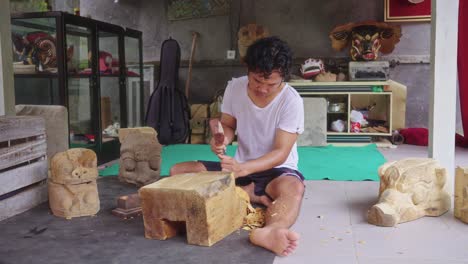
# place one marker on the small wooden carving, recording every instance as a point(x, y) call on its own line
point(72, 183)
point(409, 189)
point(326, 77)
point(140, 156)
point(247, 35)
point(207, 205)
point(461, 194)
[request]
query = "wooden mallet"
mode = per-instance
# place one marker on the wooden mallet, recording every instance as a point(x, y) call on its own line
point(217, 131)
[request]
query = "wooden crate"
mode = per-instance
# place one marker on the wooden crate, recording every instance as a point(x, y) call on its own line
point(23, 164)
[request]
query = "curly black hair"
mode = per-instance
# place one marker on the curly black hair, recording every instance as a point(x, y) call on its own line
point(268, 54)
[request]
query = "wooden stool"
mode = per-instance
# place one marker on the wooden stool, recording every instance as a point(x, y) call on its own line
point(206, 204)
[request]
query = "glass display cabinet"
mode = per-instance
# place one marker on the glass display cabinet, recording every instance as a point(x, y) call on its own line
point(91, 67)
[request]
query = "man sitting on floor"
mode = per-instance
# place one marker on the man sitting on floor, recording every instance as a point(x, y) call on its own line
point(268, 115)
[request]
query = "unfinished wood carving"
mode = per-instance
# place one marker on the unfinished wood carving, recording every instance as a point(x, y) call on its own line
point(72, 183)
point(140, 156)
point(461, 194)
point(207, 205)
point(247, 35)
point(409, 189)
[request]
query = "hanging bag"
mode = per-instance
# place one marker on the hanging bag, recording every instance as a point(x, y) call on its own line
point(168, 111)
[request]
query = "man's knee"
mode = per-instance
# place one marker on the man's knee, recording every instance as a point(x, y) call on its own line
point(297, 189)
point(288, 186)
point(186, 167)
point(176, 169)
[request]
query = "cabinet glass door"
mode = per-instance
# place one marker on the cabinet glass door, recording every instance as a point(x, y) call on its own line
point(81, 85)
point(35, 62)
point(110, 83)
point(134, 84)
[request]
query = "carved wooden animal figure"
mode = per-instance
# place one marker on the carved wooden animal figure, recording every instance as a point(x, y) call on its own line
point(140, 156)
point(461, 194)
point(409, 189)
point(72, 183)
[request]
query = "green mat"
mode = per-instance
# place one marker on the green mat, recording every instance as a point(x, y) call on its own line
point(112, 170)
point(316, 163)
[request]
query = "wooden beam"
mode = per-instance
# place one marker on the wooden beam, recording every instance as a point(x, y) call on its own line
point(444, 82)
point(7, 90)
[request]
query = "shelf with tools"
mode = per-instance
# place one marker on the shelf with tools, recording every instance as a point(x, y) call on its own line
point(356, 111)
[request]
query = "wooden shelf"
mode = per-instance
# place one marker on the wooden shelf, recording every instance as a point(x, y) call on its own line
point(354, 95)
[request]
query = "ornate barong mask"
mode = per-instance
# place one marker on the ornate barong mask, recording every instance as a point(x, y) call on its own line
point(366, 39)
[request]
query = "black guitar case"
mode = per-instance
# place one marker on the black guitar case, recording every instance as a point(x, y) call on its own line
point(168, 110)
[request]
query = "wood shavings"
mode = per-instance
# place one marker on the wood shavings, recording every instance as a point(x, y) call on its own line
point(254, 219)
point(250, 208)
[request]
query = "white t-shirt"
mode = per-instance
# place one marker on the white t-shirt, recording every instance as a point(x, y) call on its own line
point(256, 127)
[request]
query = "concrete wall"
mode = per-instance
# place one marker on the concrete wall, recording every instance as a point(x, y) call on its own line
point(7, 92)
point(304, 24)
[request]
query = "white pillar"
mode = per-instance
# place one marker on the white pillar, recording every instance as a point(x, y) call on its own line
point(444, 83)
point(7, 90)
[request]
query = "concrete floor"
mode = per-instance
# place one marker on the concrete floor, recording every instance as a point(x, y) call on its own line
point(332, 225)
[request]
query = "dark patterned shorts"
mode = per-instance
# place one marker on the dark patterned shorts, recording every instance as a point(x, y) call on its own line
point(260, 179)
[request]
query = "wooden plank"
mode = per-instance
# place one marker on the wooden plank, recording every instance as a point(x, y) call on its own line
point(14, 179)
point(22, 153)
point(398, 105)
point(309, 83)
point(23, 201)
point(17, 127)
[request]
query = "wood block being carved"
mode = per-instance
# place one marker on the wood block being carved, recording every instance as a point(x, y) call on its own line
point(140, 156)
point(461, 194)
point(72, 183)
point(409, 189)
point(206, 204)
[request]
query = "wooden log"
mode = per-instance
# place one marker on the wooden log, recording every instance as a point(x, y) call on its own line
point(206, 203)
point(461, 194)
point(56, 124)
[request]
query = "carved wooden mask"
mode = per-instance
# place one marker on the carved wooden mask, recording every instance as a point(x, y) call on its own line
point(366, 39)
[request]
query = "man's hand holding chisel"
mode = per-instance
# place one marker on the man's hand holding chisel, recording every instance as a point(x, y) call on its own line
point(218, 146)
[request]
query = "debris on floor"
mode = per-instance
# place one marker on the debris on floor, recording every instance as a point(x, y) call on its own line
point(255, 218)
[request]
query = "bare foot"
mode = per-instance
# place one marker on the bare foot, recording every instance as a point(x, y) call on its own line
point(281, 241)
point(255, 198)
